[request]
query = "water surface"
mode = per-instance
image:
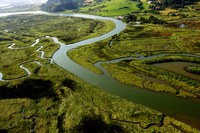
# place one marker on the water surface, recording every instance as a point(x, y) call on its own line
point(186, 110)
point(179, 67)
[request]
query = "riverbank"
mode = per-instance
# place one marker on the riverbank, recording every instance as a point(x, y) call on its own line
point(53, 99)
point(140, 42)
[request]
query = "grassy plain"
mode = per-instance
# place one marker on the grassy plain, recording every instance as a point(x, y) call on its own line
point(111, 8)
point(54, 100)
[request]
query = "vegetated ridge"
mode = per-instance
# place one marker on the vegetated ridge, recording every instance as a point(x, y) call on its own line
point(62, 5)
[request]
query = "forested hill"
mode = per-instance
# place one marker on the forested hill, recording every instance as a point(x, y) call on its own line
point(61, 5)
point(175, 3)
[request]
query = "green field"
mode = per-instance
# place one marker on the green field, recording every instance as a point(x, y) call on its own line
point(111, 8)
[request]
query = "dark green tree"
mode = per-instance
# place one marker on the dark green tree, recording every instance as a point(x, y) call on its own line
point(61, 5)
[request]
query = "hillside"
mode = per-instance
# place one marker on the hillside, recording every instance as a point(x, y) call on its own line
point(174, 3)
point(112, 7)
point(61, 5)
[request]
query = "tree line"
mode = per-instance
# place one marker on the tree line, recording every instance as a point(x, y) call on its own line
point(61, 5)
point(151, 19)
point(173, 3)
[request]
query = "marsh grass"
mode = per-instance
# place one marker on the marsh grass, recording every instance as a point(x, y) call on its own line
point(28, 28)
point(156, 79)
point(49, 47)
point(54, 100)
point(95, 52)
point(73, 105)
point(193, 69)
point(11, 60)
point(67, 29)
point(148, 40)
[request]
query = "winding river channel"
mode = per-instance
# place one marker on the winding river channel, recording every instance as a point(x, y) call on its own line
point(186, 110)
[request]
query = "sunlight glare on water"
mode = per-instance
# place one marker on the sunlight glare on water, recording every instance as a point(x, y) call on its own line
point(10, 2)
point(5, 4)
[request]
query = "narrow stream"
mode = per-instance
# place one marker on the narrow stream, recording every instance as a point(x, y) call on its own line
point(28, 73)
point(182, 109)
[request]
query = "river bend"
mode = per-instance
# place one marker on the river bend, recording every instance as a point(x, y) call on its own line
point(181, 109)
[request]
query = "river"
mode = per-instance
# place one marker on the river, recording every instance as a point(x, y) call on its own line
point(182, 109)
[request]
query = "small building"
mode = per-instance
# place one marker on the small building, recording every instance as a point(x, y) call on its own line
point(120, 17)
point(150, 2)
point(137, 23)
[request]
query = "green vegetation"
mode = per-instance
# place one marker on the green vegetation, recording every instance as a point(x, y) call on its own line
point(119, 7)
point(131, 76)
point(131, 18)
point(193, 69)
point(114, 7)
point(24, 30)
point(175, 3)
point(27, 29)
point(145, 5)
point(99, 29)
point(54, 100)
point(111, 8)
point(96, 52)
point(60, 5)
point(141, 73)
point(100, 7)
point(49, 47)
point(54, 107)
point(145, 40)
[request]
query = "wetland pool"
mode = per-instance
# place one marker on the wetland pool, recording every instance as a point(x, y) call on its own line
point(179, 67)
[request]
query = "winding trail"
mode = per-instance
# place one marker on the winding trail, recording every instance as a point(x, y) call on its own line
point(181, 109)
